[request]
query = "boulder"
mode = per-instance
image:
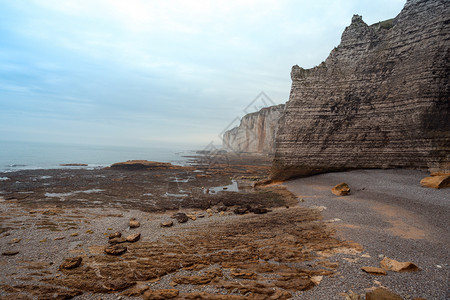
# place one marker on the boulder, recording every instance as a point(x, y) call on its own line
point(133, 238)
point(166, 224)
point(134, 223)
point(180, 217)
point(341, 189)
point(396, 266)
point(436, 182)
point(71, 263)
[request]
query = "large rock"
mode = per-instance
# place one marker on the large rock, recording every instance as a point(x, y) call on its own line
point(397, 266)
point(436, 182)
point(256, 132)
point(380, 99)
point(341, 189)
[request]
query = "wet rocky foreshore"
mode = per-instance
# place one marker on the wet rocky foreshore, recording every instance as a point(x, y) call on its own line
point(202, 231)
point(196, 232)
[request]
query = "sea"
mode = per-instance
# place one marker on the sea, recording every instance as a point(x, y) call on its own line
point(15, 156)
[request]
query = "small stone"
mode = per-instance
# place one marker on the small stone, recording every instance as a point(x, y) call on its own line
point(374, 270)
point(115, 250)
point(166, 224)
point(439, 266)
point(74, 234)
point(341, 189)
point(222, 208)
point(316, 279)
point(134, 223)
point(14, 241)
point(200, 216)
point(71, 263)
point(180, 217)
point(259, 210)
point(133, 238)
point(10, 253)
point(117, 240)
point(240, 210)
point(192, 217)
point(115, 235)
point(382, 294)
point(396, 266)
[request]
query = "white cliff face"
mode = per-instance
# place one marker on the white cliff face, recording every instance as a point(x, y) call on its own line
point(256, 132)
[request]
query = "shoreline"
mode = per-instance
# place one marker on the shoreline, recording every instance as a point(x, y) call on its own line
point(289, 238)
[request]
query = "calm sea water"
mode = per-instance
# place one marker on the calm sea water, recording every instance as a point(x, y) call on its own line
point(30, 155)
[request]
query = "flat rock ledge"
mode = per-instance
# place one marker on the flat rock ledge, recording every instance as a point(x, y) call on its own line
point(145, 165)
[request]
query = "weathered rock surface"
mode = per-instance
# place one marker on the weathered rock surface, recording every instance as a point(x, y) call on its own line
point(256, 132)
point(436, 182)
point(380, 99)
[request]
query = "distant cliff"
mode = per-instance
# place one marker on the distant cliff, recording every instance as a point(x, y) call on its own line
point(380, 99)
point(256, 132)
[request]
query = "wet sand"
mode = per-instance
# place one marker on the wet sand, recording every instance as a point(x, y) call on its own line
point(389, 214)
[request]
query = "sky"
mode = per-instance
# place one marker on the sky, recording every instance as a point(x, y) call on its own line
point(157, 73)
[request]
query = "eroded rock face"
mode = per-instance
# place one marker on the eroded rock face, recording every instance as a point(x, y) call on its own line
point(380, 99)
point(256, 133)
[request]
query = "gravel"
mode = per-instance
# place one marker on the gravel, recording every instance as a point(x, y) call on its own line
point(389, 214)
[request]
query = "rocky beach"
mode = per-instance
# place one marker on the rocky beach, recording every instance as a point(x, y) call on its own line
point(158, 231)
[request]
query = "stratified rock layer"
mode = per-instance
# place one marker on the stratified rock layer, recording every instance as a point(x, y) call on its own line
point(380, 100)
point(256, 132)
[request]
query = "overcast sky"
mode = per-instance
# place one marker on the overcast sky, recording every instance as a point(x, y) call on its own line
point(153, 73)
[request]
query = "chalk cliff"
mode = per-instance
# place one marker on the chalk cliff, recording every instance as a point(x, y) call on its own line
point(380, 99)
point(256, 132)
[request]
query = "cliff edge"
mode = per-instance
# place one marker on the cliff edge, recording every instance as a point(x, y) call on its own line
point(380, 99)
point(256, 133)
